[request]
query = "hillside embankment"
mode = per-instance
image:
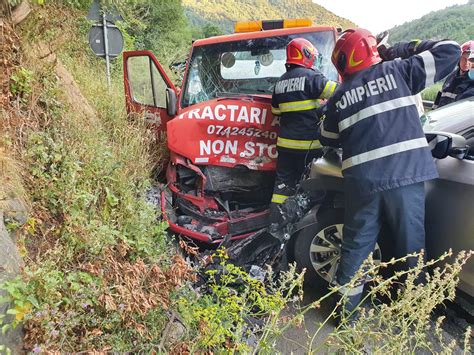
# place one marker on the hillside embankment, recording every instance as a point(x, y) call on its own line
point(88, 263)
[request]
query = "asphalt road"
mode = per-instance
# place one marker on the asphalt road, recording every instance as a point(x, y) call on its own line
point(299, 340)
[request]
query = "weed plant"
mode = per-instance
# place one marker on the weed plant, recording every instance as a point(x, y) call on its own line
point(98, 268)
point(239, 314)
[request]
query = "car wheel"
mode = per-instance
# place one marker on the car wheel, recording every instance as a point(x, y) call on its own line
point(318, 247)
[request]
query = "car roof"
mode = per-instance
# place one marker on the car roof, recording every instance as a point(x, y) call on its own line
point(453, 118)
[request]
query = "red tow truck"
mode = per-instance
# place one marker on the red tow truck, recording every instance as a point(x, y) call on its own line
point(220, 131)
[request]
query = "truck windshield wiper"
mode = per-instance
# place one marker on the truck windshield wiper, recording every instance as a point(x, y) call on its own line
point(261, 90)
point(228, 94)
point(257, 90)
point(236, 94)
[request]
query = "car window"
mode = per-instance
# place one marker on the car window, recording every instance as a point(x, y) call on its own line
point(146, 83)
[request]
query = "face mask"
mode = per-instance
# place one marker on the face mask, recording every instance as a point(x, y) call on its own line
point(470, 74)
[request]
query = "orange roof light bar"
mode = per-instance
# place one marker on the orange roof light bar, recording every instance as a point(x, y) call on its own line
point(250, 26)
point(253, 26)
point(297, 22)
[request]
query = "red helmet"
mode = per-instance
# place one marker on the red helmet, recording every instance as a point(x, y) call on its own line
point(468, 47)
point(355, 50)
point(301, 52)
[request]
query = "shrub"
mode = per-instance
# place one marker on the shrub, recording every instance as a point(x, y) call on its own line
point(20, 84)
point(431, 92)
point(404, 323)
point(98, 269)
point(233, 311)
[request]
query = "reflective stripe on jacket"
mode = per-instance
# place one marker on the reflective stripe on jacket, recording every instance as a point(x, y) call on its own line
point(373, 116)
point(296, 97)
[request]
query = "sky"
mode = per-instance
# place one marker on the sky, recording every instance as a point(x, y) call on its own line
point(377, 16)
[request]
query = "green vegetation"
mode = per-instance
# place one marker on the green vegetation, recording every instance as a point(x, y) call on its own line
point(404, 322)
point(431, 92)
point(98, 269)
point(206, 31)
point(100, 273)
point(223, 318)
point(159, 26)
point(224, 13)
point(14, 2)
point(226, 315)
point(20, 84)
point(454, 22)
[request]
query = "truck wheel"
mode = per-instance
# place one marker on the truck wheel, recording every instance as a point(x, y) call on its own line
point(318, 248)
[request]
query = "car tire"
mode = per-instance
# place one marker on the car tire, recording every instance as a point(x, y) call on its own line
point(304, 240)
point(317, 247)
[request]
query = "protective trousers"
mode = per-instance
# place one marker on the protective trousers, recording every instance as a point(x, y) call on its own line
point(402, 209)
point(290, 168)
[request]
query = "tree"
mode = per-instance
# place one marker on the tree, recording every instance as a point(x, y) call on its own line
point(210, 30)
point(158, 25)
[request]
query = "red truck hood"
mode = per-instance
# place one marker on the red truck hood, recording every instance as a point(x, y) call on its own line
point(227, 132)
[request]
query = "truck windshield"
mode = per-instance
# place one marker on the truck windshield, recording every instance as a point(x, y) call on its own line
point(247, 66)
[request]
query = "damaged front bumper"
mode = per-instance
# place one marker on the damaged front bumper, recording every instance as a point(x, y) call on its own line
point(209, 203)
point(207, 229)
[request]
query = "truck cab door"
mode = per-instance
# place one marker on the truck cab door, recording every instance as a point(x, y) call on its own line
point(148, 90)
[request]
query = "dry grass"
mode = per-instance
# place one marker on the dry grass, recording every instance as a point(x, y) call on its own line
point(98, 273)
point(11, 185)
point(130, 289)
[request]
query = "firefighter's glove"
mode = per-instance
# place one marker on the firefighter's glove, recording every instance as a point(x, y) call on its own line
point(386, 52)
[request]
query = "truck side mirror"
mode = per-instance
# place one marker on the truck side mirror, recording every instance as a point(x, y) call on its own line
point(171, 102)
point(445, 144)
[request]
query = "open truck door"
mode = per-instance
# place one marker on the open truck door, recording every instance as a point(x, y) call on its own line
point(148, 90)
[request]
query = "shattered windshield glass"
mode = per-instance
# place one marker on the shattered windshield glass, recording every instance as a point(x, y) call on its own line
point(248, 66)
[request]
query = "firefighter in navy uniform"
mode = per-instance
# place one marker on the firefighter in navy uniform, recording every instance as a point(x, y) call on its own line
point(386, 158)
point(296, 97)
point(460, 83)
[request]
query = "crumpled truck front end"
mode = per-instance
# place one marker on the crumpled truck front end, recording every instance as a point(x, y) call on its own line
point(221, 172)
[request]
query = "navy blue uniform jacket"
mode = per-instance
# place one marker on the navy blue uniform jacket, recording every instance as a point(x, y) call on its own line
point(373, 117)
point(456, 87)
point(296, 98)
